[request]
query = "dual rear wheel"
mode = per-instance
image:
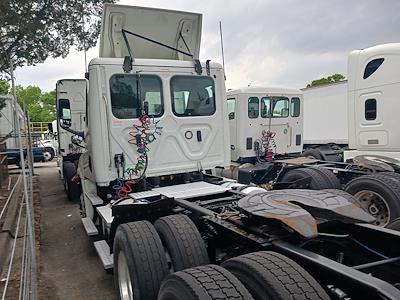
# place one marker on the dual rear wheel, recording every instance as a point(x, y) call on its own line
point(169, 261)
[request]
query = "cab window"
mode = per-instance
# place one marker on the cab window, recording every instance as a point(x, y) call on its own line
point(372, 66)
point(131, 93)
point(370, 109)
point(266, 107)
point(192, 96)
point(295, 107)
point(280, 107)
point(253, 107)
point(231, 102)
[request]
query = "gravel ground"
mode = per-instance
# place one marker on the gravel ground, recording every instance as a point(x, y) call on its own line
point(69, 265)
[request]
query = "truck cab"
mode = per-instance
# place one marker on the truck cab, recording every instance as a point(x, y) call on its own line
point(263, 119)
point(165, 115)
point(373, 89)
point(71, 97)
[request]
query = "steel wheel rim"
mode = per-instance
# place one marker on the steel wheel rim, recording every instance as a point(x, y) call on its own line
point(375, 205)
point(124, 279)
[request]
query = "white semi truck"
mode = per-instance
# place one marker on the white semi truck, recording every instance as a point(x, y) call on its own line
point(357, 117)
point(156, 126)
point(71, 95)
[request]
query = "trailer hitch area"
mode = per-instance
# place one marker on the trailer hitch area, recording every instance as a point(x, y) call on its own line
point(300, 209)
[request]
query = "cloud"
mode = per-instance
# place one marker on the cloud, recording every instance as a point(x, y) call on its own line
point(280, 43)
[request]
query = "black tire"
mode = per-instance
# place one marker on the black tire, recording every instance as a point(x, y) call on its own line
point(395, 225)
point(270, 275)
point(208, 282)
point(183, 242)
point(393, 175)
point(144, 256)
point(315, 153)
point(72, 188)
point(51, 151)
point(383, 185)
point(330, 177)
point(318, 180)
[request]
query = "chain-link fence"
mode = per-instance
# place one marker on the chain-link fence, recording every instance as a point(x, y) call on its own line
point(20, 274)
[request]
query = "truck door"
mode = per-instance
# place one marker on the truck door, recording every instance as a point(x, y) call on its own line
point(275, 116)
point(231, 103)
point(369, 117)
point(296, 124)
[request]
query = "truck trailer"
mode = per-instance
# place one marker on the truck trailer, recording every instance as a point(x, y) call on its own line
point(156, 127)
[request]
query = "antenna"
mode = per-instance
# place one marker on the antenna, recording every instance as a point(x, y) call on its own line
point(222, 47)
point(84, 39)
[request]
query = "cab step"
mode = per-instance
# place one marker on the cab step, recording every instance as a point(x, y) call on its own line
point(103, 250)
point(94, 199)
point(91, 229)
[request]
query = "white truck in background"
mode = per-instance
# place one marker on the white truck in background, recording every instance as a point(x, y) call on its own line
point(358, 116)
point(71, 94)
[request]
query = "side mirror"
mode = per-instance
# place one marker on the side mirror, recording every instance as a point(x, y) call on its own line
point(64, 113)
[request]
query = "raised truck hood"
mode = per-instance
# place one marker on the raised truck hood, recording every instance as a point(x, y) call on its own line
point(180, 30)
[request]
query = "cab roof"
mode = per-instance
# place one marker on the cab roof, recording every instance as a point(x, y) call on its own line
point(152, 63)
point(264, 90)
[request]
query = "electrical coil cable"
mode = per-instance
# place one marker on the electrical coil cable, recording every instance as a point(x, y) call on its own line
point(266, 149)
point(141, 136)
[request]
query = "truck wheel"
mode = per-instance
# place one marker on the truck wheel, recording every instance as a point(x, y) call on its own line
point(377, 194)
point(72, 188)
point(182, 242)
point(51, 152)
point(208, 282)
point(313, 153)
point(318, 180)
point(139, 261)
point(329, 176)
point(270, 275)
point(395, 225)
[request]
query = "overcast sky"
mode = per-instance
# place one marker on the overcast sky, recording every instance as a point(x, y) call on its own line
point(267, 42)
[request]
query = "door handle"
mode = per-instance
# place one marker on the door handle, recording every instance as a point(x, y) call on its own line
point(198, 136)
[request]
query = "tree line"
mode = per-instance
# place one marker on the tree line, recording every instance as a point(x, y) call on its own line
point(31, 31)
point(40, 105)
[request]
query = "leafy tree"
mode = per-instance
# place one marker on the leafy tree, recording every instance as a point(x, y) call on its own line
point(41, 106)
point(4, 88)
point(327, 80)
point(31, 31)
